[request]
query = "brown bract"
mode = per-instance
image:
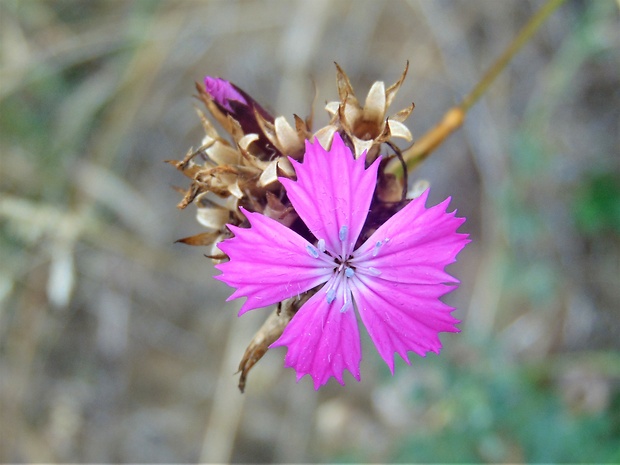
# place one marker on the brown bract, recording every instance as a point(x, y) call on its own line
point(269, 332)
point(227, 174)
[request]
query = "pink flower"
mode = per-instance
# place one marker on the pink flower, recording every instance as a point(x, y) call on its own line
point(393, 280)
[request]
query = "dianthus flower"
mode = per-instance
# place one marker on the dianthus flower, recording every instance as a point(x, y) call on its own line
point(393, 280)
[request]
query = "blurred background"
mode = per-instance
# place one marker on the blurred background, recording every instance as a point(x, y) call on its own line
point(116, 345)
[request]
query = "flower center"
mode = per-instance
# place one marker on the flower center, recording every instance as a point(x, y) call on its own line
point(344, 263)
point(343, 271)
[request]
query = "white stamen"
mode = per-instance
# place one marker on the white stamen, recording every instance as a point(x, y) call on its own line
point(347, 300)
point(312, 251)
point(342, 234)
point(373, 271)
point(321, 245)
point(347, 297)
point(349, 272)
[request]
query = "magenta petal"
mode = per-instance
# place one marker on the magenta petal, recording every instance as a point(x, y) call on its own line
point(269, 263)
point(332, 190)
point(416, 244)
point(322, 341)
point(400, 276)
point(403, 317)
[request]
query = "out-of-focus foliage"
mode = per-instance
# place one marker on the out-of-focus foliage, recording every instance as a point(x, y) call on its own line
point(496, 410)
point(117, 346)
point(597, 205)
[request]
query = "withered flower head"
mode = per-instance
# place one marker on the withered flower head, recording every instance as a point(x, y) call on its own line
point(367, 126)
point(243, 168)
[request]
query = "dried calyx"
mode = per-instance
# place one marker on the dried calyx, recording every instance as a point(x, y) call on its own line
point(242, 168)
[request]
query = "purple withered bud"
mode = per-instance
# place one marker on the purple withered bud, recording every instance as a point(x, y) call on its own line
point(223, 93)
point(233, 101)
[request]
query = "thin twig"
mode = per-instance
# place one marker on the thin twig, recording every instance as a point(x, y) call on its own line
point(454, 117)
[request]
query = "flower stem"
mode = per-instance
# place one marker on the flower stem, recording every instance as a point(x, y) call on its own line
point(455, 116)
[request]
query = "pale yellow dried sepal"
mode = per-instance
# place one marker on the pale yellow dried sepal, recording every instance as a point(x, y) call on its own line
point(256, 164)
point(390, 93)
point(217, 256)
point(268, 128)
point(271, 172)
point(375, 106)
point(350, 114)
point(345, 89)
point(222, 154)
point(209, 129)
point(207, 141)
point(236, 131)
point(234, 189)
point(398, 129)
point(289, 141)
point(216, 186)
point(284, 164)
point(403, 114)
point(325, 135)
point(301, 127)
point(332, 107)
point(212, 217)
point(269, 175)
point(247, 140)
point(249, 153)
point(187, 166)
point(231, 203)
point(189, 169)
point(361, 146)
point(303, 133)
